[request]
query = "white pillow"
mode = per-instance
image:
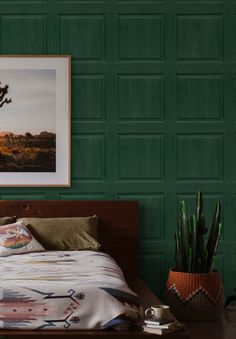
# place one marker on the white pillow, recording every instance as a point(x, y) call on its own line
point(17, 239)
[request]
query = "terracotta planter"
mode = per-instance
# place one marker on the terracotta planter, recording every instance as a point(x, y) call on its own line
point(195, 296)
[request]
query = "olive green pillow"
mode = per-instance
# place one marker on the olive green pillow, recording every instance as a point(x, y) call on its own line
point(7, 220)
point(64, 234)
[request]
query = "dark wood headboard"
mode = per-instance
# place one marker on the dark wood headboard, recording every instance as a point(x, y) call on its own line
point(118, 223)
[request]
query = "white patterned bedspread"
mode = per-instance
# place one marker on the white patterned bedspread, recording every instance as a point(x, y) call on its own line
point(64, 290)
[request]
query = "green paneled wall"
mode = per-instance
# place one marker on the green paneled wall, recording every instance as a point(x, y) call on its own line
point(153, 109)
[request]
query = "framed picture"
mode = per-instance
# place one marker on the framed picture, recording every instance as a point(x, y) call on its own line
point(35, 120)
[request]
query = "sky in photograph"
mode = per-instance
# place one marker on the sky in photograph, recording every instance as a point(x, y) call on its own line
point(33, 106)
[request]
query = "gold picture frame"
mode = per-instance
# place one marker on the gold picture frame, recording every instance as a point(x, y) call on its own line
point(35, 119)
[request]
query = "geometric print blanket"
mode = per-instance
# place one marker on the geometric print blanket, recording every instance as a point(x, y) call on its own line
point(67, 290)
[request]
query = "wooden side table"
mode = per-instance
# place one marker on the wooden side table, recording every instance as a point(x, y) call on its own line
point(148, 298)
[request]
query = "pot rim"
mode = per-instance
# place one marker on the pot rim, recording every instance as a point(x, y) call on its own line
point(214, 272)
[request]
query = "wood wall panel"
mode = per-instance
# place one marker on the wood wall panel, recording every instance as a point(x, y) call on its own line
point(89, 157)
point(136, 154)
point(199, 157)
point(140, 97)
point(19, 33)
point(82, 36)
point(85, 196)
point(151, 214)
point(89, 97)
point(23, 196)
point(140, 37)
point(153, 109)
point(199, 37)
point(200, 96)
point(152, 264)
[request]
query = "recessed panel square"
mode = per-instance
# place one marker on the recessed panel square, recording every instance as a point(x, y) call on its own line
point(140, 97)
point(82, 36)
point(88, 97)
point(88, 157)
point(23, 34)
point(152, 218)
point(200, 97)
point(199, 37)
point(199, 157)
point(152, 267)
point(141, 157)
point(141, 37)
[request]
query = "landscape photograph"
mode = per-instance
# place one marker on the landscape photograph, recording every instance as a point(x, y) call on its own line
point(27, 121)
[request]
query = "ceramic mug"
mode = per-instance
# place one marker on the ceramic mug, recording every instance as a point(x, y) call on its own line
point(158, 312)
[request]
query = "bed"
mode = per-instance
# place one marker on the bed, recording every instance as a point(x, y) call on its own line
point(117, 233)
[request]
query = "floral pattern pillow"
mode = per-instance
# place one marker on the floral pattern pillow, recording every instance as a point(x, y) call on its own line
point(16, 239)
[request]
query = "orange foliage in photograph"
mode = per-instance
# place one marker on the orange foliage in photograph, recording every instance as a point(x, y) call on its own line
point(28, 153)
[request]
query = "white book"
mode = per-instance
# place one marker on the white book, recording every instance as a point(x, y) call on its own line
point(167, 325)
point(160, 331)
point(156, 322)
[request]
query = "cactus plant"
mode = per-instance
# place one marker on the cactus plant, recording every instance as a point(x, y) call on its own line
point(193, 252)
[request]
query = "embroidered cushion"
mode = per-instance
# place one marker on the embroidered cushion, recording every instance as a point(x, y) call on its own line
point(16, 239)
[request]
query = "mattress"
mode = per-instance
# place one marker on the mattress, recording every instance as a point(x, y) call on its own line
point(65, 290)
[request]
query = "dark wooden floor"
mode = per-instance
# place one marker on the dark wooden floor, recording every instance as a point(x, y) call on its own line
point(220, 329)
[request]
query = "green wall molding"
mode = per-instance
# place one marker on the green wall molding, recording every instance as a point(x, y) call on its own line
point(153, 109)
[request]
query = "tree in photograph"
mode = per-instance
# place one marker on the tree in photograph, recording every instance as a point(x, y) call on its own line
point(3, 93)
point(28, 135)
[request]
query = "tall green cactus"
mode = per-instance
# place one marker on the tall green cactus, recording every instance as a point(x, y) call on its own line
point(193, 242)
point(193, 253)
point(214, 236)
point(184, 234)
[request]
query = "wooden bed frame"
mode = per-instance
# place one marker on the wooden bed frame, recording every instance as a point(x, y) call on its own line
point(118, 224)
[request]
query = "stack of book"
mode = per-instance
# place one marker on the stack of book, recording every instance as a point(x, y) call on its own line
point(161, 327)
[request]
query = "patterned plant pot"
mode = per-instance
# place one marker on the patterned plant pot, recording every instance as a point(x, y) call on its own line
point(195, 296)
